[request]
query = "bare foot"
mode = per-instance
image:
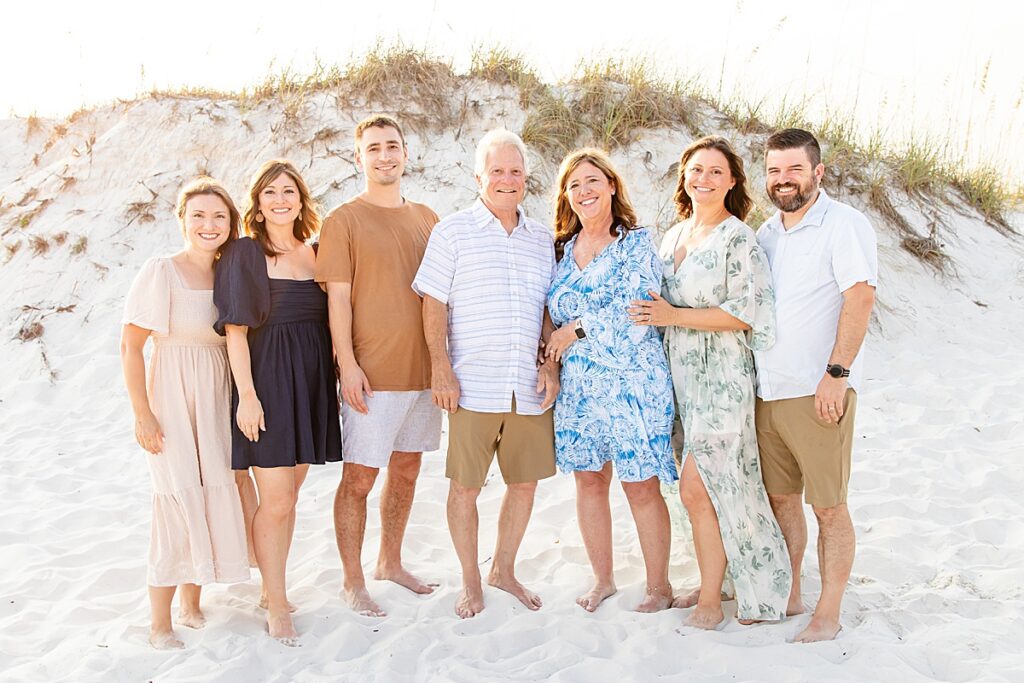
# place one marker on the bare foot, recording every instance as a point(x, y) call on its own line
point(282, 630)
point(164, 640)
point(795, 607)
point(511, 585)
point(709, 619)
point(657, 599)
point(690, 599)
point(593, 598)
point(687, 600)
point(470, 602)
point(264, 602)
point(362, 604)
point(193, 618)
point(819, 629)
point(404, 579)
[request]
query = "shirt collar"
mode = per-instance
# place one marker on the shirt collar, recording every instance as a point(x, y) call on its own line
point(483, 216)
point(814, 217)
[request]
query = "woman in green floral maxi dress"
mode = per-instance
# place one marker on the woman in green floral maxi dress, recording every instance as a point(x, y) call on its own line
point(717, 306)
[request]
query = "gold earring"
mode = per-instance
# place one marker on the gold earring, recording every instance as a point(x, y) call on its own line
point(259, 217)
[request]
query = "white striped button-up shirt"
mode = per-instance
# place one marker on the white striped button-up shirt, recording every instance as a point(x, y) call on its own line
point(496, 286)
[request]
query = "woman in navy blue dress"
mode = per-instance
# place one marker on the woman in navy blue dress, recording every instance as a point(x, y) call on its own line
point(279, 346)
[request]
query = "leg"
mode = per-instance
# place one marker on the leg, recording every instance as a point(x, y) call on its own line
point(161, 635)
point(300, 476)
point(789, 512)
point(395, 506)
point(650, 514)
point(516, 507)
point(836, 549)
point(464, 524)
point(707, 541)
point(349, 530)
point(247, 494)
point(270, 536)
point(594, 515)
point(189, 613)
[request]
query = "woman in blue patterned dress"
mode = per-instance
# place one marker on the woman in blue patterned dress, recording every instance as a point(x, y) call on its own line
point(717, 306)
point(615, 403)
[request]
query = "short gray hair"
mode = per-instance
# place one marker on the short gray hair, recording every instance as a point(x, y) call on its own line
point(499, 137)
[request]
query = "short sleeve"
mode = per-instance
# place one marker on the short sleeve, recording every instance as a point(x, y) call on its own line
point(855, 252)
point(334, 259)
point(148, 304)
point(437, 270)
point(748, 290)
point(241, 290)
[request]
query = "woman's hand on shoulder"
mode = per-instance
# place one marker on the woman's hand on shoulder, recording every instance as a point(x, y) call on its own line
point(148, 433)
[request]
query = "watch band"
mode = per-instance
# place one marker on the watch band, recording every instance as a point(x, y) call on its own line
point(836, 370)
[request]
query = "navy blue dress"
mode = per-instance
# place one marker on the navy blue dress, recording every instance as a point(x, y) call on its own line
point(290, 354)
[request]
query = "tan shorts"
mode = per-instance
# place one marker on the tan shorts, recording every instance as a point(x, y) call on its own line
point(798, 449)
point(525, 445)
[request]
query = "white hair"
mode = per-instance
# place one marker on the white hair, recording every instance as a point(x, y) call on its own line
point(499, 137)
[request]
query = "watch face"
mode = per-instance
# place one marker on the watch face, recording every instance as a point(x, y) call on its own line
point(835, 370)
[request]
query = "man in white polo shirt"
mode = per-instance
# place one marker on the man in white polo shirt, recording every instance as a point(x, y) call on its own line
point(484, 281)
point(824, 267)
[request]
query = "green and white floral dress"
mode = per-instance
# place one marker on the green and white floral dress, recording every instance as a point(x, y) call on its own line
point(713, 377)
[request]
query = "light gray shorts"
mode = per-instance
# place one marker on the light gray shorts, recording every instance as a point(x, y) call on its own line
point(406, 421)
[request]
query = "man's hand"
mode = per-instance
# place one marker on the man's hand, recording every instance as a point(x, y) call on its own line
point(828, 398)
point(444, 388)
point(548, 382)
point(353, 385)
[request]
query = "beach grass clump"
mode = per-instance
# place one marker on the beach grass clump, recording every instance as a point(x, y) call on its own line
point(983, 188)
point(392, 74)
point(504, 67)
point(79, 246)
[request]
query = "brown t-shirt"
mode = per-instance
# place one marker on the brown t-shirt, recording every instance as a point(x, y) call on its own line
point(378, 250)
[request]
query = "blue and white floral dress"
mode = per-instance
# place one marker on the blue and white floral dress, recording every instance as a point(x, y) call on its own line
point(616, 400)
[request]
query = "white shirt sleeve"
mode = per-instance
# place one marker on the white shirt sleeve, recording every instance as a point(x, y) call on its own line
point(437, 270)
point(855, 252)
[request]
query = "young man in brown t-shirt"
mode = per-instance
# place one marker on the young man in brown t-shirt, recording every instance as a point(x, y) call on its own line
point(370, 249)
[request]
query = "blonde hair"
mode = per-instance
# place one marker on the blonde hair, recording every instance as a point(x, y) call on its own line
point(499, 137)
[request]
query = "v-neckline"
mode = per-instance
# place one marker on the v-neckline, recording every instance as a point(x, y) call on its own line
point(689, 252)
point(572, 251)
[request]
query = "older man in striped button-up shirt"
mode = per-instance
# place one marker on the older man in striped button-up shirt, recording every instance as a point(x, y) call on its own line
point(484, 281)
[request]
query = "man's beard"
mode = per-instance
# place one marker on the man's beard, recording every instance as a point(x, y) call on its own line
point(795, 201)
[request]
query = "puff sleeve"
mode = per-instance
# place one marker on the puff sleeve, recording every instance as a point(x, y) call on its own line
point(241, 288)
point(748, 288)
point(148, 304)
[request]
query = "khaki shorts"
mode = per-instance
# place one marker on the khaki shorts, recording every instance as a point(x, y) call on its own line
point(798, 449)
point(525, 445)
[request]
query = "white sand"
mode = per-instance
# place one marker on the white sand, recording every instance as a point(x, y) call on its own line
point(935, 493)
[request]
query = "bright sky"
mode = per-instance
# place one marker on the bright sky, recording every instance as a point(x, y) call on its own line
point(945, 69)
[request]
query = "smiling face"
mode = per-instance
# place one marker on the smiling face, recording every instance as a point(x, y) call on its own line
point(503, 183)
point(382, 155)
point(279, 201)
point(707, 178)
point(207, 222)
point(790, 179)
point(590, 193)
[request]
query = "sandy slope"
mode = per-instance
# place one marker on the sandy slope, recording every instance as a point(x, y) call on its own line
point(935, 495)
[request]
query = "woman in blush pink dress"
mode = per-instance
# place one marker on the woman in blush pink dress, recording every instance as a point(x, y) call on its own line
point(182, 412)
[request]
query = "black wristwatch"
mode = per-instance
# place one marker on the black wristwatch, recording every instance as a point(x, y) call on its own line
point(578, 329)
point(836, 370)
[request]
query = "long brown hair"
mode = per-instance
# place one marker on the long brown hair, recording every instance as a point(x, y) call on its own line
point(567, 223)
point(737, 201)
point(306, 224)
point(205, 185)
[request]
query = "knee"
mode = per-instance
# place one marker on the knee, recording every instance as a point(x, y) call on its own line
point(404, 470)
point(357, 483)
point(592, 483)
point(643, 493)
point(525, 490)
point(457, 493)
point(279, 505)
point(694, 497)
point(831, 516)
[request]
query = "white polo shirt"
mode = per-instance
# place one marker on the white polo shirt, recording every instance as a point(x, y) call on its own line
point(496, 287)
point(812, 264)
